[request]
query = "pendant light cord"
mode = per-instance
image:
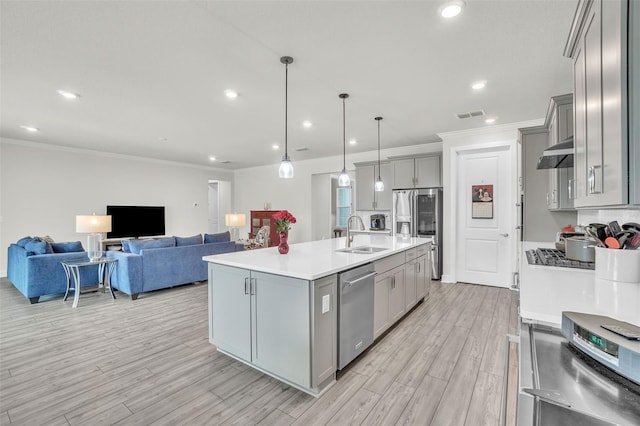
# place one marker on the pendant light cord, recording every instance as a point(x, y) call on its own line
point(286, 110)
point(344, 139)
point(378, 148)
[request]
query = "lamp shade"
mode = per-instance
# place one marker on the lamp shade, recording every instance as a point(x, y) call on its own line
point(235, 219)
point(93, 223)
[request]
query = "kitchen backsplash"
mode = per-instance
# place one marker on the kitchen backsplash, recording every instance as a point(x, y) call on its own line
point(366, 217)
point(586, 217)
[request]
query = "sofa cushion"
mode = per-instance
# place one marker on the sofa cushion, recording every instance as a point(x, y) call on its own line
point(24, 240)
point(137, 245)
point(70, 247)
point(36, 247)
point(217, 238)
point(189, 241)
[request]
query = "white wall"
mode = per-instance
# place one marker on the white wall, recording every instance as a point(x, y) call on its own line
point(257, 185)
point(43, 188)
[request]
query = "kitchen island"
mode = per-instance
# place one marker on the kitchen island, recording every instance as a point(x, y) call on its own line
point(279, 313)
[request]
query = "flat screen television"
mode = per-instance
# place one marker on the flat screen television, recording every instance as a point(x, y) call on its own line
point(136, 221)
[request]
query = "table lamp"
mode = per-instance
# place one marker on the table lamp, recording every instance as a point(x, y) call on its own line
point(234, 221)
point(93, 225)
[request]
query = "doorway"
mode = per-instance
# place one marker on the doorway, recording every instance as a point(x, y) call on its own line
point(219, 205)
point(485, 205)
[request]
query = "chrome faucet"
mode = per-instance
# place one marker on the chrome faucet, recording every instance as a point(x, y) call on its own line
point(349, 236)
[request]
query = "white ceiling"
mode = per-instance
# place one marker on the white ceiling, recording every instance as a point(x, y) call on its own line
point(152, 74)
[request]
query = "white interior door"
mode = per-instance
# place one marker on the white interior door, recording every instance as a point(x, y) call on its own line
point(484, 217)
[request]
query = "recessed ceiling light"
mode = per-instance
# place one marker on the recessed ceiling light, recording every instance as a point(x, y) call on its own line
point(307, 124)
point(231, 94)
point(275, 146)
point(68, 95)
point(353, 141)
point(491, 120)
point(30, 128)
point(451, 8)
point(479, 85)
point(212, 158)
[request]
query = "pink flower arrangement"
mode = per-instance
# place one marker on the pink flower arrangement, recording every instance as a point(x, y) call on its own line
point(283, 219)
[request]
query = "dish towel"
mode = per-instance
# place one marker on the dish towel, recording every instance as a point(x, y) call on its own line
point(403, 211)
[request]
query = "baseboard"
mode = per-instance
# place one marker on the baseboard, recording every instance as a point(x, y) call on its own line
point(3, 274)
point(448, 279)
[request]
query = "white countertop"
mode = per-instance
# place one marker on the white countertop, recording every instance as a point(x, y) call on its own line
point(371, 231)
point(315, 259)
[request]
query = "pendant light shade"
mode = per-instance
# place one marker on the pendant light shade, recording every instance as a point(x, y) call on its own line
point(379, 186)
point(343, 179)
point(286, 168)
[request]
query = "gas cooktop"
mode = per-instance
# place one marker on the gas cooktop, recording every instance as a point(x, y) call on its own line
point(553, 257)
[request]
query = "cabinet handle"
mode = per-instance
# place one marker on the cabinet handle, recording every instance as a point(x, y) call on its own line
point(547, 199)
point(252, 286)
point(393, 282)
point(418, 265)
point(246, 285)
point(592, 180)
point(554, 196)
point(570, 189)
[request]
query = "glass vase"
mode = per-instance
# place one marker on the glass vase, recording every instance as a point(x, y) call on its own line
point(283, 247)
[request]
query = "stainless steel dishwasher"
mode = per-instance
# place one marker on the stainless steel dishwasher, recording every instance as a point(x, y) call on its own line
point(355, 314)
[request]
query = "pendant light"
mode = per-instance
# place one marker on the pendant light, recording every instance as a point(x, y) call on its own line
point(286, 168)
point(343, 179)
point(379, 186)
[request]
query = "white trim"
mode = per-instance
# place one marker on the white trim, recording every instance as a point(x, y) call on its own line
point(51, 147)
point(3, 273)
point(492, 129)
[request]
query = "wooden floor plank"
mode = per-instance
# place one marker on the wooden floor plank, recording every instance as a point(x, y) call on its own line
point(149, 361)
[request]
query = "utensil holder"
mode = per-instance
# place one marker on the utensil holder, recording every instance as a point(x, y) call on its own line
point(618, 265)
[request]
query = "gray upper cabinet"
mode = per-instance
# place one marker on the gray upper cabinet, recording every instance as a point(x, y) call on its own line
point(417, 172)
point(366, 197)
point(559, 124)
point(603, 96)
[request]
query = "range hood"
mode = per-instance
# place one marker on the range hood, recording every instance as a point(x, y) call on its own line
point(558, 156)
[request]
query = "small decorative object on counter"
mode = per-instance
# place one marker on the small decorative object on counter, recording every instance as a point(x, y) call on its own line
point(283, 219)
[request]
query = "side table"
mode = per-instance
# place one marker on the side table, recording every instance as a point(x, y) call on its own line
point(72, 269)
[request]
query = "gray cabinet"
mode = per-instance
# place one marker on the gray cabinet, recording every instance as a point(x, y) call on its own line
point(389, 290)
point(277, 324)
point(230, 320)
point(366, 197)
point(604, 157)
point(417, 275)
point(559, 123)
point(417, 172)
point(278, 300)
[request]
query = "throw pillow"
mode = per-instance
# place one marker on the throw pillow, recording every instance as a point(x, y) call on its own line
point(217, 238)
point(36, 247)
point(23, 241)
point(46, 239)
point(137, 245)
point(70, 247)
point(189, 241)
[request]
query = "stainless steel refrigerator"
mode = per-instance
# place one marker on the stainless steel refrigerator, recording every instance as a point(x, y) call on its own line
point(418, 213)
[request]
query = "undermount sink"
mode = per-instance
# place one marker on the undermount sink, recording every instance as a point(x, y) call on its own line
point(362, 250)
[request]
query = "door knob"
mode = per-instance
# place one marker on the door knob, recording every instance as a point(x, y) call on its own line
point(504, 235)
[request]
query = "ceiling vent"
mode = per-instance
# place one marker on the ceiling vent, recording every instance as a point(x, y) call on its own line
point(478, 113)
point(304, 148)
point(225, 162)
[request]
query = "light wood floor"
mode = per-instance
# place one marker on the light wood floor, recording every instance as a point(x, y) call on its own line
point(149, 361)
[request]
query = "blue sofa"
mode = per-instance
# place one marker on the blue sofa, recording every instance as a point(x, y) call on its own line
point(40, 273)
point(157, 264)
